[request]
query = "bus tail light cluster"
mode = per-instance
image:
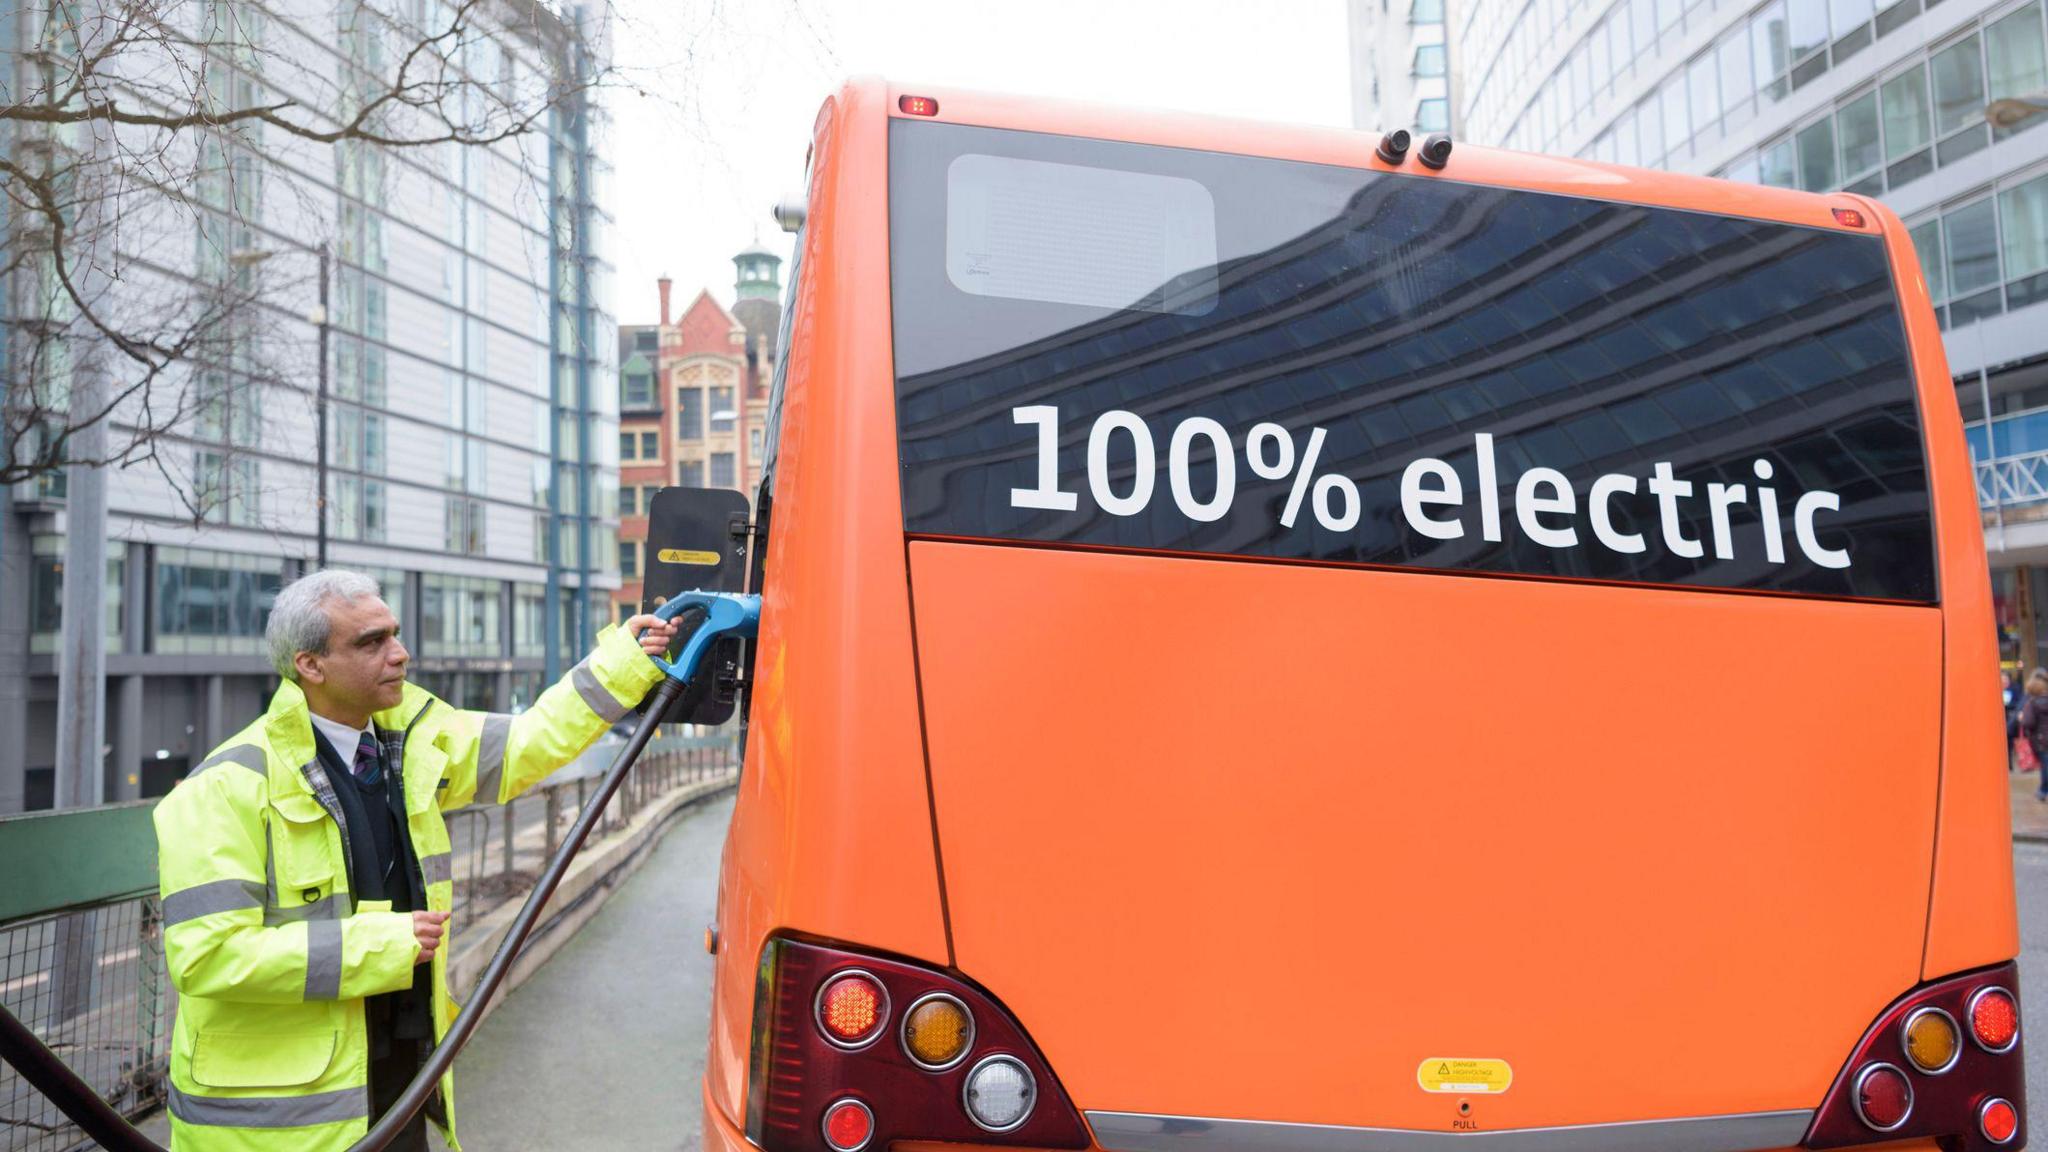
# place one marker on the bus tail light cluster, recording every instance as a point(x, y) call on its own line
point(853, 1051)
point(1942, 1062)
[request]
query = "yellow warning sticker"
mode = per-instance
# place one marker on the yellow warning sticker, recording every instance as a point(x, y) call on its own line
point(679, 556)
point(1455, 1074)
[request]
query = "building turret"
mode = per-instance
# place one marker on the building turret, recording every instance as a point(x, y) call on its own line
point(758, 307)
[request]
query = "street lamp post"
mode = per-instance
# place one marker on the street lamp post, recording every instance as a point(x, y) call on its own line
point(320, 455)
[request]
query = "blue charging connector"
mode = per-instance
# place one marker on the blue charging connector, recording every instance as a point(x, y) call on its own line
point(728, 614)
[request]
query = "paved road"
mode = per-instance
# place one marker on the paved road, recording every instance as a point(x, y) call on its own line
point(604, 1047)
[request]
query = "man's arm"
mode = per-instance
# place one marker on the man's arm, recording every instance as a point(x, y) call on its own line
point(499, 756)
point(210, 854)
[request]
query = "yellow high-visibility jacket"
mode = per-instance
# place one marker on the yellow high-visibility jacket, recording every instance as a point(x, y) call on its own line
point(271, 955)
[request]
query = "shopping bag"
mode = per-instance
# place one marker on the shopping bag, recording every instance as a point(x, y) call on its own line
point(2023, 752)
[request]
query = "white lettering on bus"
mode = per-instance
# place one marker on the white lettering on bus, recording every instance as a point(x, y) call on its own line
point(1432, 493)
point(1448, 491)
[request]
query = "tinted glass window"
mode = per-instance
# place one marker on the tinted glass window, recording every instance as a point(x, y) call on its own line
point(1408, 371)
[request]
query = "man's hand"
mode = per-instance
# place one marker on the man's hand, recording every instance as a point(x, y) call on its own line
point(427, 929)
point(659, 633)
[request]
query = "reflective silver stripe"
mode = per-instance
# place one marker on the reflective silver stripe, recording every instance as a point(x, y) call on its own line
point(211, 897)
point(323, 960)
point(325, 908)
point(1741, 1132)
point(438, 868)
point(247, 755)
point(269, 868)
point(596, 695)
point(490, 756)
point(271, 1111)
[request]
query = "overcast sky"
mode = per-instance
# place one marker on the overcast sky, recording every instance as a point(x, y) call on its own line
point(736, 84)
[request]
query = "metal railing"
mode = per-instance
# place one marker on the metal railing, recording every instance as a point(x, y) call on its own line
point(2009, 480)
point(81, 937)
point(499, 849)
point(90, 981)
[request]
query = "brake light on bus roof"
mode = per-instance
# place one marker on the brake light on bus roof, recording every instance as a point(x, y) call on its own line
point(1849, 218)
point(918, 105)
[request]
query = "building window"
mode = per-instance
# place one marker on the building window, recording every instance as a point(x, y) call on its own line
point(628, 446)
point(1958, 74)
point(1817, 155)
point(2023, 225)
point(227, 489)
point(2019, 60)
point(754, 444)
point(1426, 12)
point(1970, 235)
point(1433, 115)
point(1429, 60)
point(722, 414)
point(629, 502)
point(650, 445)
point(461, 616)
point(1908, 125)
point(690, 474)
point(529, 623)
point(463, 526)
point(629, 560)
point(689, 413)
point(213, 602)
point(1861, 151)
point(46, 594)
point(637, 390)
point(721, 470)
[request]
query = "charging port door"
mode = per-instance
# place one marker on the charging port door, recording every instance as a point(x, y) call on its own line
point(697, 540)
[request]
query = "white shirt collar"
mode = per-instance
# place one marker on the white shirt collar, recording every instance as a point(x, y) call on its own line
point(340, 737)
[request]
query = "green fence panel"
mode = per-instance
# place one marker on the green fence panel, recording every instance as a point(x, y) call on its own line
point(55, 860)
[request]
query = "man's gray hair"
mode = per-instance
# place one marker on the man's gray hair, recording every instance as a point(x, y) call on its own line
point(298, 621)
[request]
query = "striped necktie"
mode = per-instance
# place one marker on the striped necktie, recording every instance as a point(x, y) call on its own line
point(369, 766)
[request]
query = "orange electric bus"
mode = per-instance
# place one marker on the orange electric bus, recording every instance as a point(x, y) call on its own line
point(1271, 646)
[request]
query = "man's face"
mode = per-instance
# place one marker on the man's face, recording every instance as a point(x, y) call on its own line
point(363, 668)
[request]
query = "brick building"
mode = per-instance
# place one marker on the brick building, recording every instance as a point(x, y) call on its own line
point(693, 401)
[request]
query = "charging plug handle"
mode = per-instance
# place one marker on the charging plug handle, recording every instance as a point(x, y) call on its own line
point(725, 614)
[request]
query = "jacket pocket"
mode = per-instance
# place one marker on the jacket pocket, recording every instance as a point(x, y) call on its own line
point(262, 1059)
point(305, 851)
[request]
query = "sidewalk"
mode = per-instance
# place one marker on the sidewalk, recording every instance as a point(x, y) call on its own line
point(2029, 816)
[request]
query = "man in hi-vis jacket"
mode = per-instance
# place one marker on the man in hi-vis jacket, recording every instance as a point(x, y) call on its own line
point(305, 875)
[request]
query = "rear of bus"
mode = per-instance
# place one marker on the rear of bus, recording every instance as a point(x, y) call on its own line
point(1265, 648)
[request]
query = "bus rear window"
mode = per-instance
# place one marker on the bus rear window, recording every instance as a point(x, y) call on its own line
point(1189, 352)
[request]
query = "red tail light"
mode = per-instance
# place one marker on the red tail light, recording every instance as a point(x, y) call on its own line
point(832, 1066)
point(852, 1008)
point(1995, 1019)
point(1999, 1121)
point(1970, 1097)
point(918, 105)
point(848, 1125)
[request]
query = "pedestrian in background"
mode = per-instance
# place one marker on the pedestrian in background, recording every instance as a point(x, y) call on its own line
point(2014, 700)
point(2034, 722)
